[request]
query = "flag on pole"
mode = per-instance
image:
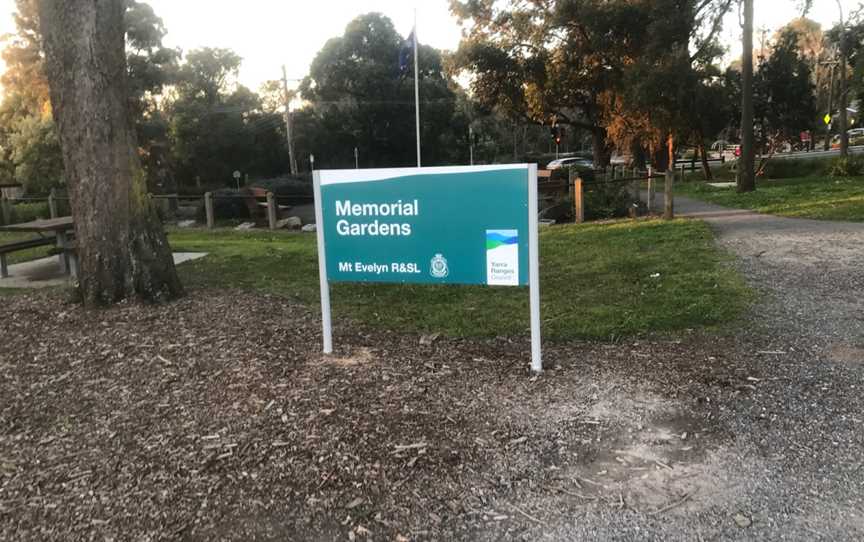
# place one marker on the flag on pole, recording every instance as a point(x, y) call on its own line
point(406, 52)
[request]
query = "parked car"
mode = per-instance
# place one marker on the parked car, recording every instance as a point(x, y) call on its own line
point(562, 163)
point(856, 137)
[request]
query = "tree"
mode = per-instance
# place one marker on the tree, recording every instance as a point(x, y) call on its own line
point(783, 89)
point(36, 154)
point(575, 62)
point(123, 252)
point(218, 127)
point(360, 99)
point(746, 164)
point(27, 130)
point(30, 151)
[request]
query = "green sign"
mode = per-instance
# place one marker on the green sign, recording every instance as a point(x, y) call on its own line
point(444, 225)
point(432, 225)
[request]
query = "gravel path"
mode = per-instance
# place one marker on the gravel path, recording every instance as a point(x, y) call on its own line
point(215, 418)
point(812, 271)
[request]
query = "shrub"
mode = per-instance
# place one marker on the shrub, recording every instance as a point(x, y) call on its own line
point(289, 190)
point(785, 168)
point(25, 212)
point(228, 205)
point(849, 166)
point(606, 200)
point(602, 201)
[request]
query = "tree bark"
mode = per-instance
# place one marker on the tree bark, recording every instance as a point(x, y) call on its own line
point(122, 249)
point(746, 177)
point(703, 155)
point(600, 143)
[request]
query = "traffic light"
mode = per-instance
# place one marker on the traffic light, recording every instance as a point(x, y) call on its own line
point(557, 133)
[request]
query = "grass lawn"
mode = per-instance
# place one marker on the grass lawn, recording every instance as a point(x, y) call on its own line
point(597, 281)
point(823, 198)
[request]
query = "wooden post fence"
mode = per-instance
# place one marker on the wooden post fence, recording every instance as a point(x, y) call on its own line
point(5, 210)
point(652, 191)
point(578, 201)
point(52, 203)
point(669, 211)
point(208, 209)
point(271, 210)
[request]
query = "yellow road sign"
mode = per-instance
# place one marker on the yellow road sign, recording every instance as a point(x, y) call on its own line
point(827, 118)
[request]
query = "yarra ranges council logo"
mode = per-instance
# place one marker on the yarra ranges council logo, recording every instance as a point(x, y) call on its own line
point(438, 267)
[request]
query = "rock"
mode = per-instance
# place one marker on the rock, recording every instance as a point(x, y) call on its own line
point(185, 223)
point(291, 223)
point(742, 521)
point(308, 228)
point(426, 340)
point(246, 226)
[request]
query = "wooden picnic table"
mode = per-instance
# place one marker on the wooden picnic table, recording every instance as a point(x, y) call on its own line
point(60, 227)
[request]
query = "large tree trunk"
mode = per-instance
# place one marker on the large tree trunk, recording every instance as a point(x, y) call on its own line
point(123, 252)
point(600, 143)
point(746, 176)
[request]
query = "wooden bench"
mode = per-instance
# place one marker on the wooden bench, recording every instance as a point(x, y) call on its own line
point(16, 246)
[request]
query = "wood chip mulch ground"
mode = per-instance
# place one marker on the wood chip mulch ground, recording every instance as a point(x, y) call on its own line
point(216, 417)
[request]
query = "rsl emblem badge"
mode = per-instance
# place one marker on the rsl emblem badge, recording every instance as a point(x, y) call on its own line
point(438, 267)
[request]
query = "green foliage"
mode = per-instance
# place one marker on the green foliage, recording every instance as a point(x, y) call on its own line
point(36, 154)
point(289, 190)
point(25, 212)
point(849, 166)
point(783, 91)
point(604, 200)
point(30, 148)
point(822, 198)
point(228, 204)
point(597, 281)
point(216, 127)
point(359, 99)
point(604, 66)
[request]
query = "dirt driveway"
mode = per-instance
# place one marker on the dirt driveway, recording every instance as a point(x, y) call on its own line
point(216, 418)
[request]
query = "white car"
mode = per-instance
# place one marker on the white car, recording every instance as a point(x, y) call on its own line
point(567, 162)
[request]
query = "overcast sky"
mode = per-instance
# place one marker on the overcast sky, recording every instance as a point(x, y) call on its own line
point(269, 33)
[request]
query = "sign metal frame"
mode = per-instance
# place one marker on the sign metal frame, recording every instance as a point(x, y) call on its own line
point(533, 257)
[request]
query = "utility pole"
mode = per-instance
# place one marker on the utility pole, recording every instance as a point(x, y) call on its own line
point(746, 173)
point(291, 160)
point(844, 136)
point(827, 145)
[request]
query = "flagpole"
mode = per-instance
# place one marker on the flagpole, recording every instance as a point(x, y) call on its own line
point(416, 89)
